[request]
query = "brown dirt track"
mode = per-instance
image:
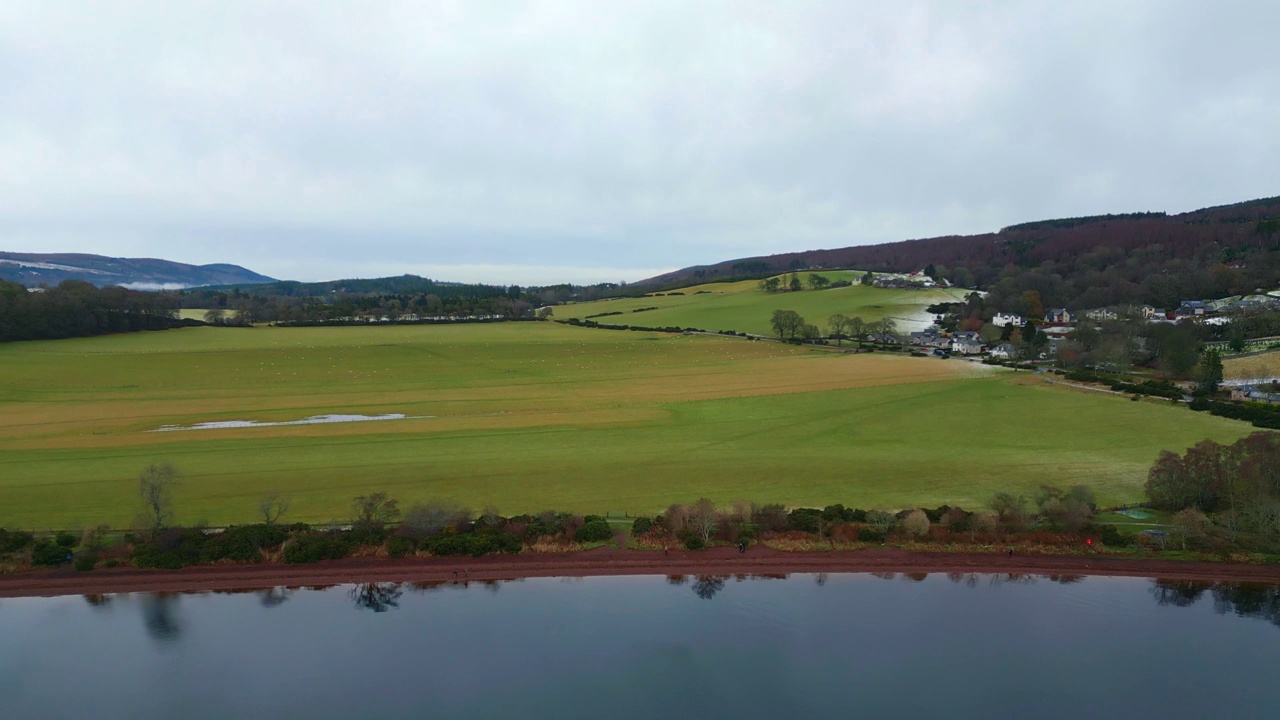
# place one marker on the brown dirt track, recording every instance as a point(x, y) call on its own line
point(605, 561)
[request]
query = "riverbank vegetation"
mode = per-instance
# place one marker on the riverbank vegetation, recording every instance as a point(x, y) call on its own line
point(1054, 521)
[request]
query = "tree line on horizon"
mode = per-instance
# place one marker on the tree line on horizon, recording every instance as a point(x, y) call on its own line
point(76, 309)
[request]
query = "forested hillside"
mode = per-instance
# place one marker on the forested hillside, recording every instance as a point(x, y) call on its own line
point(394, 298)
point(1152, 258)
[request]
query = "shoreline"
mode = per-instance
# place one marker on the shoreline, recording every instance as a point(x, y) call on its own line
point(607, 562)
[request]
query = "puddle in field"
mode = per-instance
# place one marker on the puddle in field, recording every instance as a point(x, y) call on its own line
point(313, 420)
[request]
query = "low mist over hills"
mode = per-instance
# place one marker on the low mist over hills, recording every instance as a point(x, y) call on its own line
point(35, 269)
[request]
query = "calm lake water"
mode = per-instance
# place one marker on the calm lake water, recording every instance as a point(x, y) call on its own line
point(855, 645)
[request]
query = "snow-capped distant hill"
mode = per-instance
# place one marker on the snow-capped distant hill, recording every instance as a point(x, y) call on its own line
point(35, 269)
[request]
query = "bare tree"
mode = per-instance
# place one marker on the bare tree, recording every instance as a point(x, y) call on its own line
point(703, 518)
point(272, 506)
point(1189, 526)
point(374, 511)
point(839, 325)
point(676, 518)
point(980, 522)
point(916, 523)
point(857, 329)
point(1010, 508)
point(425, 519)
point(155, 488)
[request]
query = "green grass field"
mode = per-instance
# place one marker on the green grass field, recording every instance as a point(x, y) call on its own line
point(744, 307)
point(529, 416)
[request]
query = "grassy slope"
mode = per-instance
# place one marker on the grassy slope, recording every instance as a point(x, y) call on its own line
point(534, 415)
point(743, 307)
point(1265, 364)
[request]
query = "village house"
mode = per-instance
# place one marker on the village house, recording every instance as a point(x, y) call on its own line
point(1003, 319)
point(929, 338)
point(1004, 351)
point(1057, 315)
point(1101, 314)
point(1255, 393)
point(967, 346)
point(1191, 308)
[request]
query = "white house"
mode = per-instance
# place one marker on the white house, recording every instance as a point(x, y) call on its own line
point(1101, 314)
point(1003, 319)
point(1004, 351)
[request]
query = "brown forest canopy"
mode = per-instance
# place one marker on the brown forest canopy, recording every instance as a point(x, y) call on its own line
point(1151, 258)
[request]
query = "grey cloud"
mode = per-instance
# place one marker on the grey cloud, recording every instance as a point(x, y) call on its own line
point(309, 140)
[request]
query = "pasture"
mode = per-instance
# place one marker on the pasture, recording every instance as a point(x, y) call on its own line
point(1261, 365)
point(529, 416)
point(744, 307)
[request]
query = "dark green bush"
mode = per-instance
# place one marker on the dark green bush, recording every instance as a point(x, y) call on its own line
point(694, 542)
point(935, 515)
point(450, 545)
point(1106, 534)
point(641, 525)
point(48, 554)
point(804, 520)
point(483, 544)
point(594, 531)
point(314, 547)
point(399, 546)
point(66, 539)
point(870, 535)
point(367, 535)
point(244, 543)
point(85, 563)
point(14, 540)
point(171, 548)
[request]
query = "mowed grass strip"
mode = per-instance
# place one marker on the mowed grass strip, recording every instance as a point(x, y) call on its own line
point(533, 416)
point(744, 307)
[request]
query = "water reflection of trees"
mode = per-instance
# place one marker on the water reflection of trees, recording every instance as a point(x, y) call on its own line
point(378, 597)
point(274, 597)
point(160, 615)
point(1253, 600)
point(972, 579)
point(706, 586)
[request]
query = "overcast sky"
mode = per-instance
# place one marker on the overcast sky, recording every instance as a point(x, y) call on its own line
point(541, 142)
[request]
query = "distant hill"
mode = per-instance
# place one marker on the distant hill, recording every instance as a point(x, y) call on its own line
point(397, 285)
point(35, 269)
point(1154, 258)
